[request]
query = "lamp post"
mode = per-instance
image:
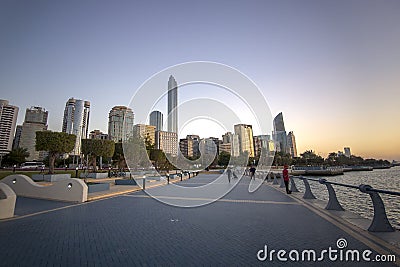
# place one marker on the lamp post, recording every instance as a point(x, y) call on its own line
point(76, 172)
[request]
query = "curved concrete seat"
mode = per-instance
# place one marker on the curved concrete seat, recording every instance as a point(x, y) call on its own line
point(74, 190)
point(7, 201)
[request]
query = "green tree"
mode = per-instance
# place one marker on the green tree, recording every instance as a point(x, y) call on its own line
point(16, 156)
point(119, 157)
point(160, 161)
point(282, 159)
point(224, 158)
point(308, 157)
point(95, 148)
point(55, 143)
point(136, 154)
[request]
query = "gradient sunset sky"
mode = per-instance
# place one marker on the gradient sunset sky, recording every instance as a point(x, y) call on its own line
point(331, 67)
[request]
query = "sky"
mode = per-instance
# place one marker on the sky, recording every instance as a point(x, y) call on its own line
point(331, 67)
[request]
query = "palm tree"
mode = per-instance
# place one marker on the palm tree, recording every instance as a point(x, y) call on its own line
point(16, 156)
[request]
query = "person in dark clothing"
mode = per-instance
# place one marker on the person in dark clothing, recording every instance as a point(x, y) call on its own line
point(252, 172)
point(229, 172)
point(285, 174)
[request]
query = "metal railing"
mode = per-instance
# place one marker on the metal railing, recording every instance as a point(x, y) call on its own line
point(380, 222)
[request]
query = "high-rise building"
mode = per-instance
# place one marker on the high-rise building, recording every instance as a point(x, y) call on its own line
point(35, 121)
point(262, 142)
point(145, 131)
point(167, 142)
point(279, 125)
point(17, 137)
point(347, 152)
point(279, 134)
point(76, 121)
point(97, 134)
point(246, 142)
point(8, 122)
point(291, 141)
point(172, 105)
point(225, 147)
point(120, 124)
point(156, 119)
point(189, 146)
point(210, 146)
point(233, 141)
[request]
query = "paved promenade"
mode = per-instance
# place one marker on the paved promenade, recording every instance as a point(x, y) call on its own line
point(136, 230)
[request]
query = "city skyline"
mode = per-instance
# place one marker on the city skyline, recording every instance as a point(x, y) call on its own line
point(331, 68)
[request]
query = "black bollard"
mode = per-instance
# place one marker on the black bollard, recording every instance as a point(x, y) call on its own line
point(168, 178)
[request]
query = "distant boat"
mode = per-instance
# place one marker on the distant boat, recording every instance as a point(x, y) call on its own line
point(316, 171)
point(382, 167)
point(395, 163)
point(357, 168)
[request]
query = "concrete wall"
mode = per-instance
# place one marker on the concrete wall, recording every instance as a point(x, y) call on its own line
point(74, 190)
point(7, 201)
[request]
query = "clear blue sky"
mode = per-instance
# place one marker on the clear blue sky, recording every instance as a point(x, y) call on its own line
point(331, 67)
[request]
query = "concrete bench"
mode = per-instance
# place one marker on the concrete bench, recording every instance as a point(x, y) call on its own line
point(7, 201)
point(73, 190)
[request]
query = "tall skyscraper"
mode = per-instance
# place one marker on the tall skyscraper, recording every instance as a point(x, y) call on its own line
point(8, 122)
point(172, 105)
point(292, 144)
point(17, 137)
point(120, 124)
point(35, 121)
point(76, 121)
point(156, 119)
point(279, 134)
point(246, 142)
point(279, 125)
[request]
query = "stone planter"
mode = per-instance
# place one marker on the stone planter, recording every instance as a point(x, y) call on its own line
point(97, 187)
point(95, 175)
point(125, 182)
point(51, 177)
point(155, 178)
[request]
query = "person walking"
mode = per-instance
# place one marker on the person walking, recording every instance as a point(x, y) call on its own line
point(285, 174)
point(229, 172)
point(252, 172)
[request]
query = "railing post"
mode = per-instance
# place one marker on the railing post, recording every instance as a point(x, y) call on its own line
point(293, 187)
point(380, 222)
point(333, 203)
point(307, 194)
point(282, 182)
point(275, 179)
